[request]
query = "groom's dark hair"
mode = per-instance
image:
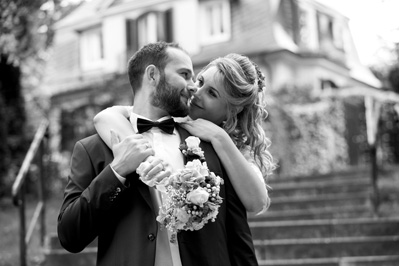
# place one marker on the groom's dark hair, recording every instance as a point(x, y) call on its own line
point(150, 54)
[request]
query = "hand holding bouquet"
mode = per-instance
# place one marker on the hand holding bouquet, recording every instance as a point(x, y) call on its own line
point(190, 195)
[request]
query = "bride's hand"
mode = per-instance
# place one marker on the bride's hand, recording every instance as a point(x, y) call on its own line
point(203, 129)
point(153, 170)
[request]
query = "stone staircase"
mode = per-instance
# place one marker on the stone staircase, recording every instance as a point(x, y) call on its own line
point(313, 221)
point(325, 220)
point(56, 255)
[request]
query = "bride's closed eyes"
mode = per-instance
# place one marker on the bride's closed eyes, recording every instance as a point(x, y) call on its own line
point(213, 92)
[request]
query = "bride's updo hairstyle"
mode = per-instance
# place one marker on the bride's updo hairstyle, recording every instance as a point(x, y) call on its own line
point(244, 84)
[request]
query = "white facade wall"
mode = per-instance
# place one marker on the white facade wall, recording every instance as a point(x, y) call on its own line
point(114, 40)
point(186, 28)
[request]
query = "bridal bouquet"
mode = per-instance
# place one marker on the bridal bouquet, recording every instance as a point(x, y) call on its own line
point(191, 195)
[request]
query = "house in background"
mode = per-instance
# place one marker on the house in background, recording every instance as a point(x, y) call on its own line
point(297, 42)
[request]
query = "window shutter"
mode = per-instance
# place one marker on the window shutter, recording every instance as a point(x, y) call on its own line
point(165, 26)
point(169, 25)
point(131, 36)
point(289, 11)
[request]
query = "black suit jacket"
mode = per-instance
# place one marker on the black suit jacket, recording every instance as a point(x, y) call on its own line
point(96, 204)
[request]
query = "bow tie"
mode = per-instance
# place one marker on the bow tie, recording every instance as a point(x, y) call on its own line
point(167, 125)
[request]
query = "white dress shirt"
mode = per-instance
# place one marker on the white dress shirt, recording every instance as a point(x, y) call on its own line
point(166, 147)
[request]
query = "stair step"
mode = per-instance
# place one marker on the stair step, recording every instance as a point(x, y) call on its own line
point(371, 261)
point(87, 257)
point(344, 175)
point(346, 211)
point(324, 220)
point(301, 262)
point(53, 243)
point(324, 228)
point(318, 187)
point(55, 254)
point(327, 247)
point(320, 183)
point(345, 261)
point(326, 200)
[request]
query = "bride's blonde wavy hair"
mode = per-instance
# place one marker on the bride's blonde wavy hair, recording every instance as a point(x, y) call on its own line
point(244, 84)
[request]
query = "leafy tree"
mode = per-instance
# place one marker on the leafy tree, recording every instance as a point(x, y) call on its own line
point(25, 34)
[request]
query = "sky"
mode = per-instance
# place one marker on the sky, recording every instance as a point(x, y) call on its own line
point(373, 23)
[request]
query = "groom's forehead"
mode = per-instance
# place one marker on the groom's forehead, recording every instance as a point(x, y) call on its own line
point(179, 59)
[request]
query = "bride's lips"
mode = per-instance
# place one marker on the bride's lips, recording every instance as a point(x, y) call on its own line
point(195, 103)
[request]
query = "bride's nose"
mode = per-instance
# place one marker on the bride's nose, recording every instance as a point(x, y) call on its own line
point(192, 89)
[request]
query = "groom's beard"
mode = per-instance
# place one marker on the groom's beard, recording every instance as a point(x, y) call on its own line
point(169, 98)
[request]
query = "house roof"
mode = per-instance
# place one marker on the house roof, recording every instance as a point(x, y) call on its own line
point(86, 13)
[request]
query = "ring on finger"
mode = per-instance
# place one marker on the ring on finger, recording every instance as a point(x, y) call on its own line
point(147, 146)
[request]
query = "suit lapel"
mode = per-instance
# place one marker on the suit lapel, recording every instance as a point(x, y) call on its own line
point(142, 188)
point(183, 135)
point(211, 158)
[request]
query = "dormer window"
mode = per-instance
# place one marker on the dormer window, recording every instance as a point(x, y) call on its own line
point(330, 31)
point(289, 18)
point(91, 48)
point(150, 27)
point(215, 21)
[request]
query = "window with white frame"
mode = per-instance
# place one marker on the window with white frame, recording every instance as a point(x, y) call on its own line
point(215, 21)
point(152, 27)
point(147, 29)
point(91, 48)
point(337, 33)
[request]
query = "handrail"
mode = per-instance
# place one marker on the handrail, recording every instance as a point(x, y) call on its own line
point(40, 133)
point(18, 191)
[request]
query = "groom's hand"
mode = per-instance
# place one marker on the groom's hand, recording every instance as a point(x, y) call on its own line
point(129, 153)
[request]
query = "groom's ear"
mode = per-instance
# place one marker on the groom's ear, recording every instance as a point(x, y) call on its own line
point(152, 74)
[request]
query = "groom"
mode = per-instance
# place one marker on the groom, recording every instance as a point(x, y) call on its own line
point(104, 197)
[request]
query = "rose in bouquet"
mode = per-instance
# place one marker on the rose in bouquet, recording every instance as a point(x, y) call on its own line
point(190, 195)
